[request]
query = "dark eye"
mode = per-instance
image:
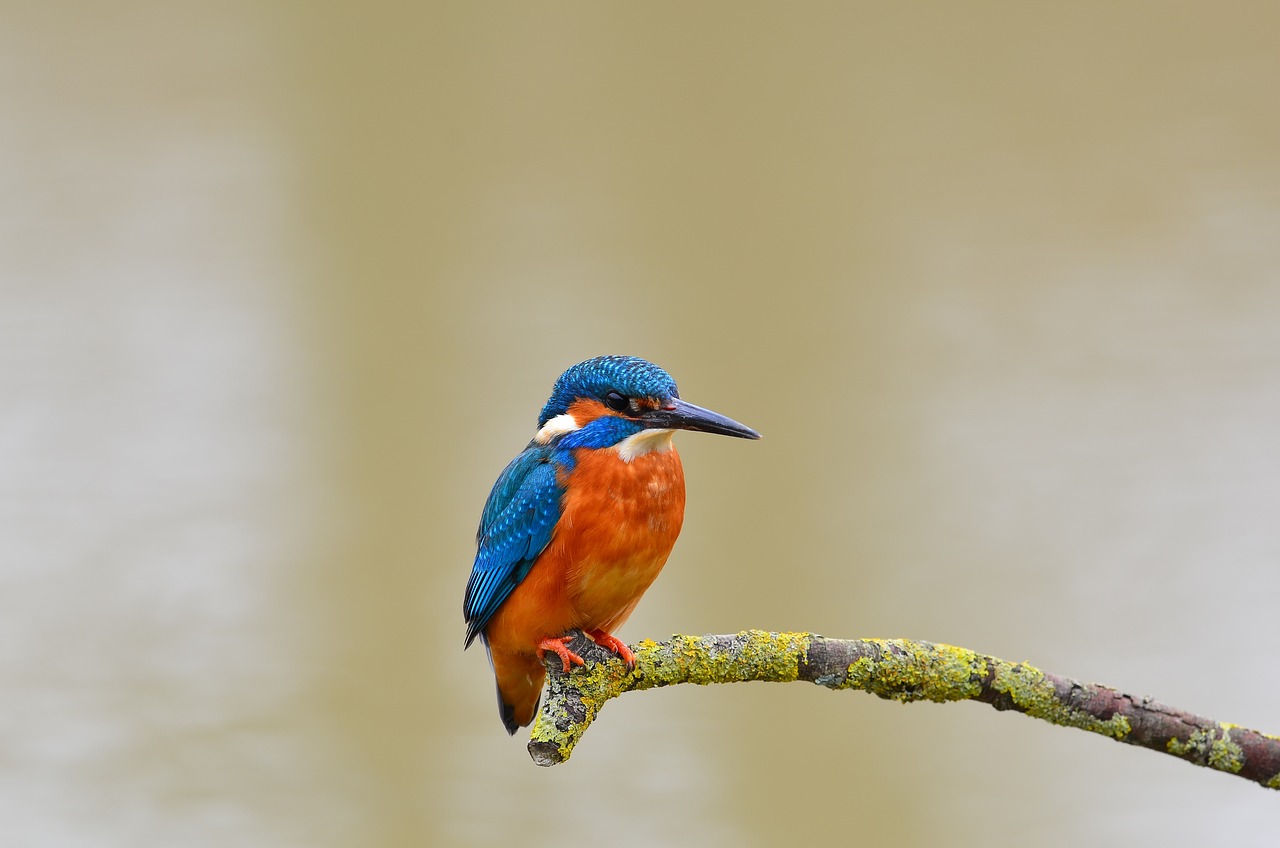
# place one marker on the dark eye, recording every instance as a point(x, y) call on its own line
point(616, 402)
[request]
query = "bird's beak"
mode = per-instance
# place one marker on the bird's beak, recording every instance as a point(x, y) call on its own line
point(676, 414)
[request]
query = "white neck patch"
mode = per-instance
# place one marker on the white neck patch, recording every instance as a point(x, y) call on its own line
point(557, 426)
point(646, 441)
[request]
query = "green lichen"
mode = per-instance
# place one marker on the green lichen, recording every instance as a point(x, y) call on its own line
point(1034, 694)
point(555, 729)
point(897, 669)
point(774, 657)
point(916, 671)
point(904, 670)
point(750, 655)
point(1214, 748)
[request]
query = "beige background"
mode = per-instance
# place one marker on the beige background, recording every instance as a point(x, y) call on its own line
point(282, 288)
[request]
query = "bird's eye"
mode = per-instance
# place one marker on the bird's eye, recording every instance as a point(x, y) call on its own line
point(616, 402)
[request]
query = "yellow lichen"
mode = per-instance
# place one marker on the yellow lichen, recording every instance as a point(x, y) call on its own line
point(890, 668)
point(914, 671)
point(756, 655)
point(1034, 694)
point(1213, 747)
point(595, 684)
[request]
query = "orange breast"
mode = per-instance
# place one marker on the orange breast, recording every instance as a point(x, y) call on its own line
point(619, 523)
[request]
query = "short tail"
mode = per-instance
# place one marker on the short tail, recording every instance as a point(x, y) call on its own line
point(519, 680)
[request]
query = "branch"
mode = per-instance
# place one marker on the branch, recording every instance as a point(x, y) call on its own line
point(897, 669)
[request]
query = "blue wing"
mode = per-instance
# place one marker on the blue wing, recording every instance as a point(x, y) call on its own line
point(516, 525)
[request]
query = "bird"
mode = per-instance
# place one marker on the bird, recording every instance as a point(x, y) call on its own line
point(580, 523)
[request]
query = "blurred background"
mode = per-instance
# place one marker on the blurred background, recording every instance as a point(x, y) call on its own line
point(284, 286)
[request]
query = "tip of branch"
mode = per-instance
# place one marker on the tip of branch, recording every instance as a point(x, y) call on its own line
point(545, 753)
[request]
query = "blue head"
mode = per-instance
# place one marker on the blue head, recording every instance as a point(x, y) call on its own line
point(609, 398)
point(627, 376)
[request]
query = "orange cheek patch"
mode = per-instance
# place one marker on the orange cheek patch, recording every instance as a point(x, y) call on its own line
point(586, 410)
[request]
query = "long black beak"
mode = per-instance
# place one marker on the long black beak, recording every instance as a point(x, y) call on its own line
point(679, 415)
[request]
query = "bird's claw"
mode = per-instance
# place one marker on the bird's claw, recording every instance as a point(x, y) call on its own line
point(611, 643)
point(559, 647)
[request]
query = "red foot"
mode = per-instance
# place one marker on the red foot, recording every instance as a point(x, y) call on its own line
point(558, 647)
point(614, 644)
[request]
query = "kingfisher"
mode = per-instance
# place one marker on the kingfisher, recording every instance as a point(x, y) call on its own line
point(578, 525)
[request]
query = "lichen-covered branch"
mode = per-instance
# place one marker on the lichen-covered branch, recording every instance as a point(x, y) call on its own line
point(898, 669)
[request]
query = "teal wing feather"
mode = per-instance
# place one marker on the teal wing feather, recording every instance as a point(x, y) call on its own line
point(518, 521)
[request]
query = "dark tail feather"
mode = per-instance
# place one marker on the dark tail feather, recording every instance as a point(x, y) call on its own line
point(508, 714)
point(522, 677)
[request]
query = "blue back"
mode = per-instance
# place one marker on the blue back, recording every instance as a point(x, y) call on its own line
point(516, 525)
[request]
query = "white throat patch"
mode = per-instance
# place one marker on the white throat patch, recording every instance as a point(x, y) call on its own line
point(646, 441)
point(557, 426)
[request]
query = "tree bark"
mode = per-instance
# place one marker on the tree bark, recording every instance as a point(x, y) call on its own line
point(896, 669)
